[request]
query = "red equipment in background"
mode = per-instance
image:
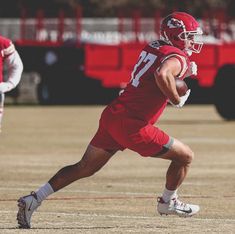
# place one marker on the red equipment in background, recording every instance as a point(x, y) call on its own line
point(111, 63)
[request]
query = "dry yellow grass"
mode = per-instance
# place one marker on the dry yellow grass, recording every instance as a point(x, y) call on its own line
point(37, 141)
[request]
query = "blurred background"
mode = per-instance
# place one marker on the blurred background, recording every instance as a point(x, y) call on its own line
point(82, 52)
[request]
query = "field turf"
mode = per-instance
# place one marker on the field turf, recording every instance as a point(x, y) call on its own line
point(37, 141)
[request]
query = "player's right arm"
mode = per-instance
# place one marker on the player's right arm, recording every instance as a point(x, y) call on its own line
point(165, 79)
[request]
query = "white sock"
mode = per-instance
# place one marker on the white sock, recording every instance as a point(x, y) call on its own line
point(44, 191)
point(167, 195)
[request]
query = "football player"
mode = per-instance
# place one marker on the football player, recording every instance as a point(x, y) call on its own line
point(10, 56)
point(128, 122)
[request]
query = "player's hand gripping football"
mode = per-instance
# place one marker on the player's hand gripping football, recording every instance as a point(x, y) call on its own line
point(183, 99)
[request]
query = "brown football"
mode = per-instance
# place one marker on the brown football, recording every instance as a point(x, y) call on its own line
point(181, 87)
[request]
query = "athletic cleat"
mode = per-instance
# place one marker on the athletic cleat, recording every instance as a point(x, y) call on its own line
point(176, 207)
point(27, 205)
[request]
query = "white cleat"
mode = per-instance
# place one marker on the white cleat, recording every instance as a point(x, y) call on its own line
point(176, 207)
point(27, 205)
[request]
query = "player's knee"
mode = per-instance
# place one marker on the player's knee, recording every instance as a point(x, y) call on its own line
point(184, 156)
point(188, 155)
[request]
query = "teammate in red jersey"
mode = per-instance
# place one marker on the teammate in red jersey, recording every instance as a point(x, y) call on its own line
point(128, 121)
point(10, 56)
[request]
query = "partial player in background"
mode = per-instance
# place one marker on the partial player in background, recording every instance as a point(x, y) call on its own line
point(129, 121)
point(11, 58)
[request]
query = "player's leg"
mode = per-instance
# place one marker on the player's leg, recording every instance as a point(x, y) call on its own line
point(181, 157)
point(151, 141)
point(101, 148)
point(93, 160)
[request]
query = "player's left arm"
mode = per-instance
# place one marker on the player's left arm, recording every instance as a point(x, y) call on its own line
point(15, 69)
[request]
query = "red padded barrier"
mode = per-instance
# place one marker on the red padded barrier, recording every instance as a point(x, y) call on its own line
point(206, 77)
point(207, 57)
point(102, 57)
point(226, 54)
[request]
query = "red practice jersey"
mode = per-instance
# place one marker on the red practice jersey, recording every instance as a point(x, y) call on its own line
point(6, 48)
point(142, 97)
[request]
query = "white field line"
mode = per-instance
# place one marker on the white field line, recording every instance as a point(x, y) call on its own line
point(85, 191)
point(89, 192)
point(114, 216)
point(106, 193)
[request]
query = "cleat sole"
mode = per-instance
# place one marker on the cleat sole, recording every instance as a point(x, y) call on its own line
point(21, 215)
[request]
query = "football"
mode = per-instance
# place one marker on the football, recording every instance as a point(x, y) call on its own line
point(181, 87)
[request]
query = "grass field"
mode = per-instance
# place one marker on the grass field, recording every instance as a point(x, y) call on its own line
point(37, 141)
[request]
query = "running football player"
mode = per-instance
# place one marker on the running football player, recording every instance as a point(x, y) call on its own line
point(128, 122)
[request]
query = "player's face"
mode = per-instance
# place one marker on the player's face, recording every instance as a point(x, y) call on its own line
point(193, 43)
point(189, 43)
